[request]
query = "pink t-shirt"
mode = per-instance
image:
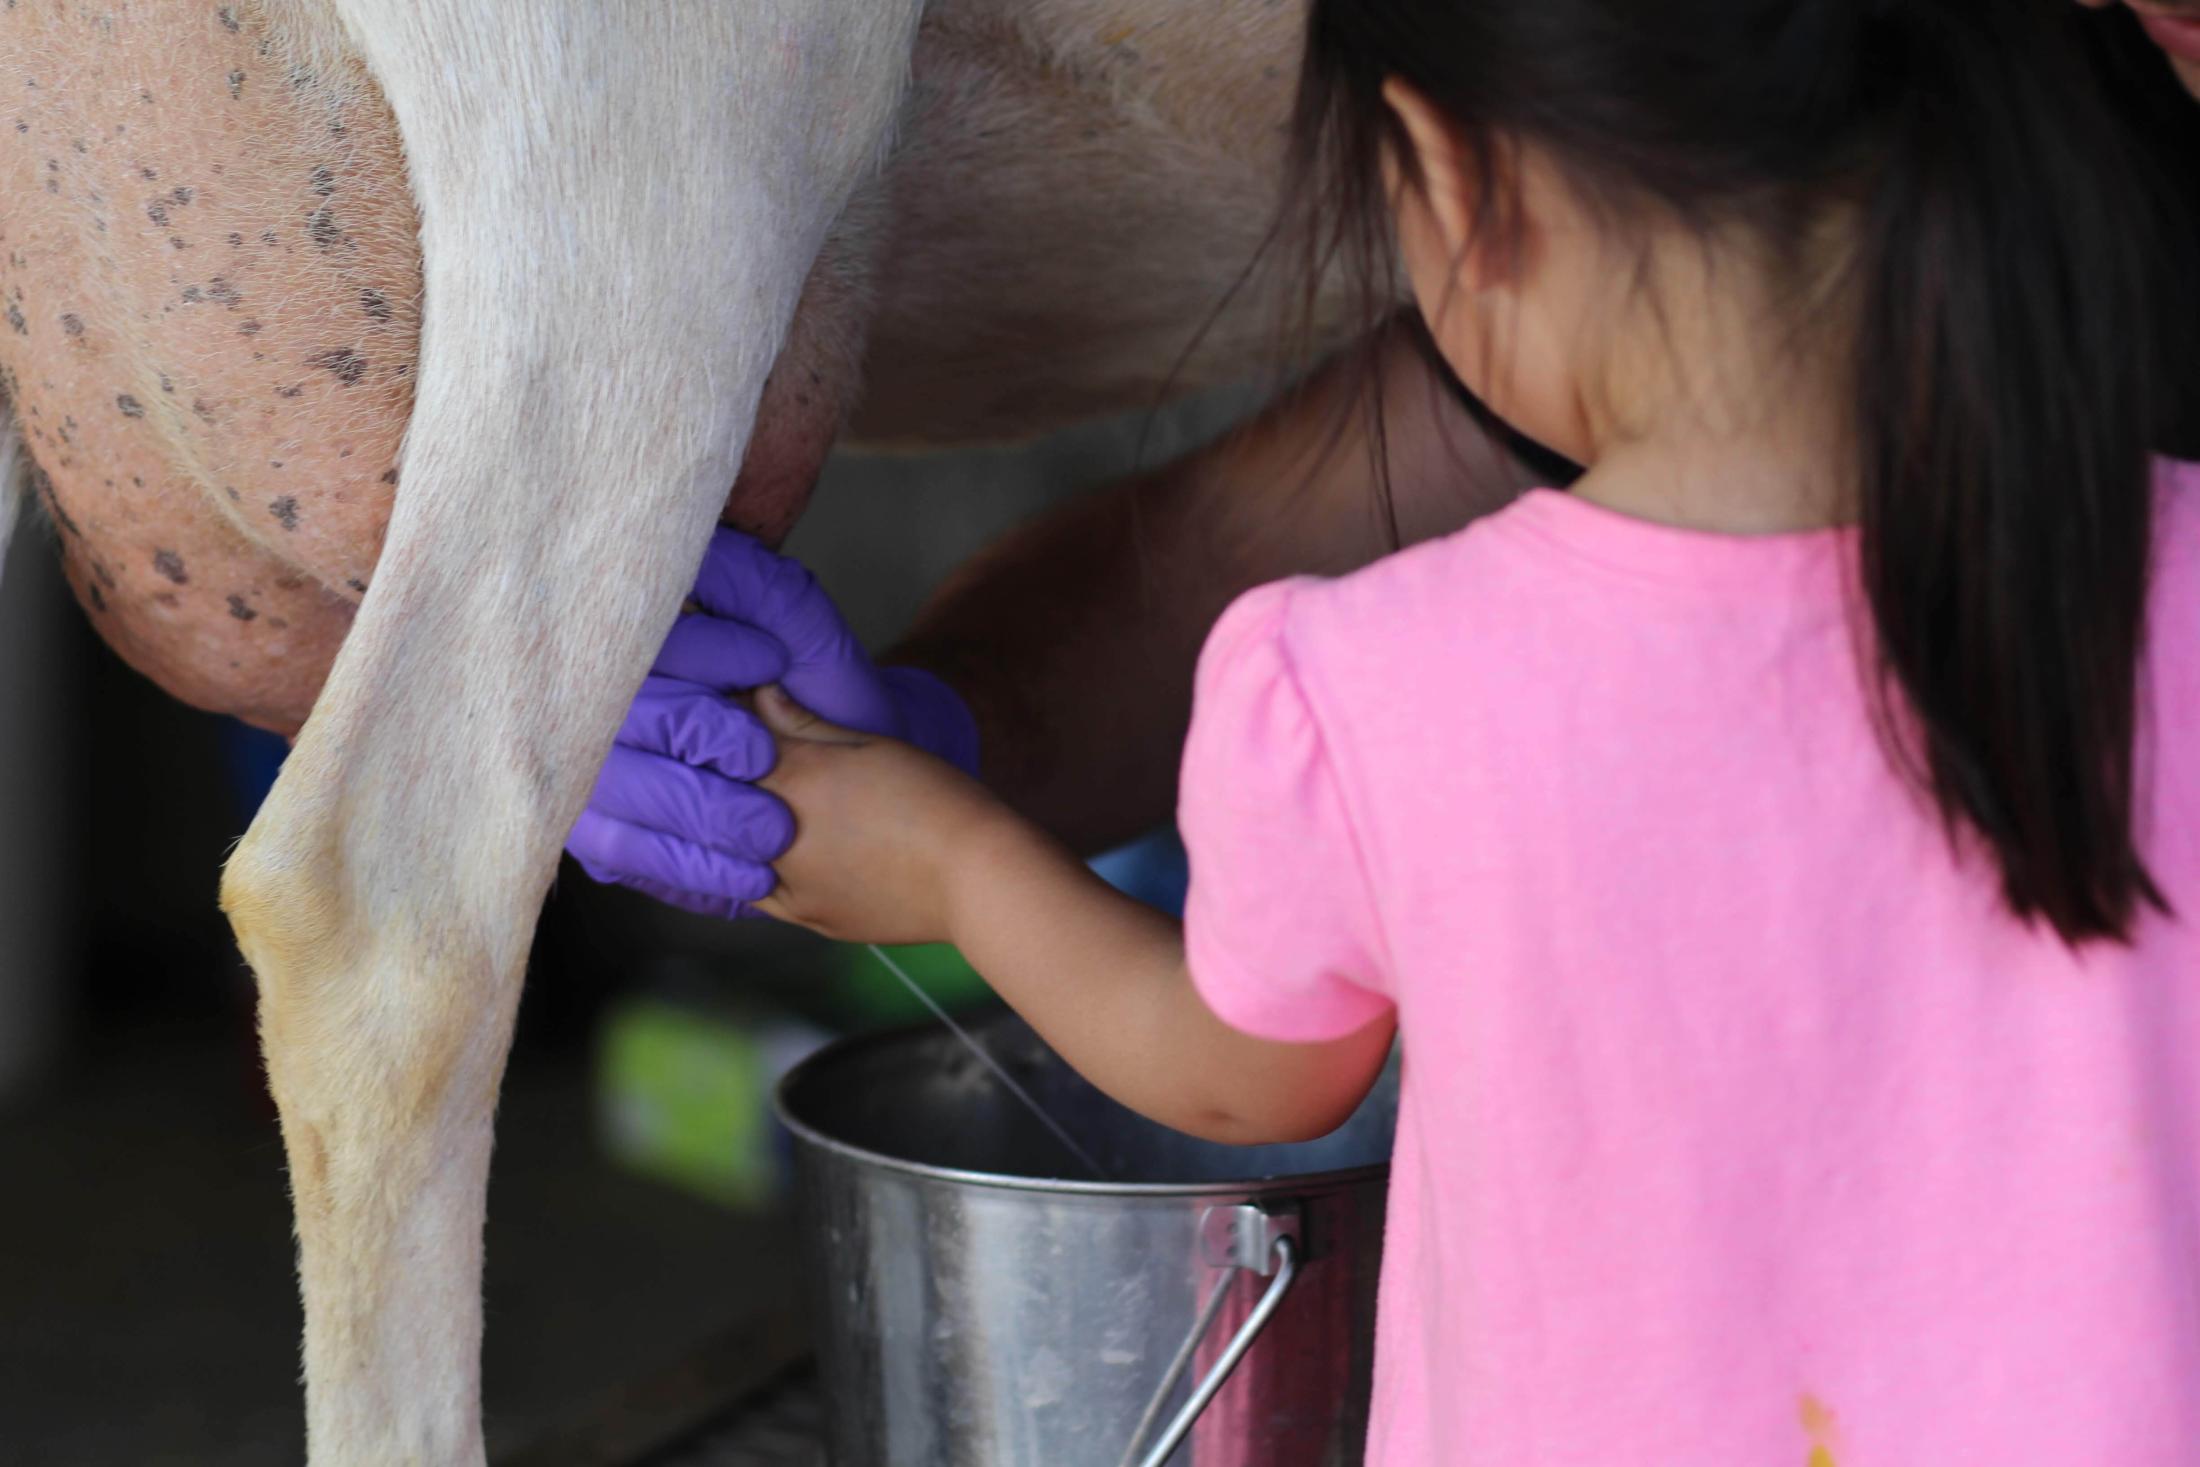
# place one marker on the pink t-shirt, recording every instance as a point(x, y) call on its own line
point(1741, 1127)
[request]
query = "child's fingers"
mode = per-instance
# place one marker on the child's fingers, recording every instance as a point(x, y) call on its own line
point(796, 754)
point(788, 719)
point(777, 905)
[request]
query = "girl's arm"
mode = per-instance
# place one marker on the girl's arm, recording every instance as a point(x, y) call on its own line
point(896, 847)
point(1103, 980)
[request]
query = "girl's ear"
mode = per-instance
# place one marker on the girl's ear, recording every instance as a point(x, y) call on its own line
point(1447, 184)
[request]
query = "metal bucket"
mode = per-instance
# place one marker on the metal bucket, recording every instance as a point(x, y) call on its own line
point(981, 1301)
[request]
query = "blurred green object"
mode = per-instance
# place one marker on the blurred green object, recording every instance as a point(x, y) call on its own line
point(869, 997)
point(686, 1065)
point(684, 1096)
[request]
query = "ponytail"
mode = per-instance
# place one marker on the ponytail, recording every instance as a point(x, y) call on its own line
point(2008, 395)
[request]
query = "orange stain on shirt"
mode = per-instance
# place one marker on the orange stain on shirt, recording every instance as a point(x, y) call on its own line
point(1823, 1428)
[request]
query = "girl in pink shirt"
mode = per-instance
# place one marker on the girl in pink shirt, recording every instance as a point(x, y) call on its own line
point(1780, 855)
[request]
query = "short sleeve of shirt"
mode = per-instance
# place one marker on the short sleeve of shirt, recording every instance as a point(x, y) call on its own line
point(1280, 931)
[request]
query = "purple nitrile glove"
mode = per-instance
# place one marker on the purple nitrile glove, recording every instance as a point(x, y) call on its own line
point(674, 813)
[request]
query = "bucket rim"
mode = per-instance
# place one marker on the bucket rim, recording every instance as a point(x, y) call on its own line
point(1334, 1179)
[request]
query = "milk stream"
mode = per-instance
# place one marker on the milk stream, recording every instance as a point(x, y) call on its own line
point(1059, 1132)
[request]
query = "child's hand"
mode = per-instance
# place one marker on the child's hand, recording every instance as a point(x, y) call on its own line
point(674, 813)
point(878, 827)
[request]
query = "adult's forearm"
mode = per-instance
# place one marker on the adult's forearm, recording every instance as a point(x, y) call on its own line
point(1074, 639)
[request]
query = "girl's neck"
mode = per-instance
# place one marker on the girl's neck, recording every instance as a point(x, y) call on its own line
point(1720, 485)
point(1724, 408)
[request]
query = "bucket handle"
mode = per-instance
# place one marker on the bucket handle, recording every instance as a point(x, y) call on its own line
point(1260, 1240)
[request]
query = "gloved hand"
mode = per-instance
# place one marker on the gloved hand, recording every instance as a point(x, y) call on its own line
point(674, 813)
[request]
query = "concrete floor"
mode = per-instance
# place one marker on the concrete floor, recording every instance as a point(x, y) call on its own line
point(145, 1262)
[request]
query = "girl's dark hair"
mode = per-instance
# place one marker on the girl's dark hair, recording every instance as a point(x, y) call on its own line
point(2016, 281)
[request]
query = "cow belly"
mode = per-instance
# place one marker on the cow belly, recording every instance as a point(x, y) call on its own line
point(211, 321)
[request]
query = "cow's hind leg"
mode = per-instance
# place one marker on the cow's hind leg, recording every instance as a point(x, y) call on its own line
point(618, 206)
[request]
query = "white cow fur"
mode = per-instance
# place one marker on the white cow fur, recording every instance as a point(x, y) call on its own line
point(619, 204)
